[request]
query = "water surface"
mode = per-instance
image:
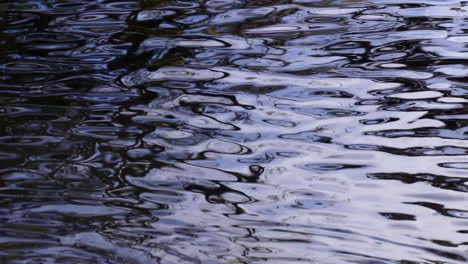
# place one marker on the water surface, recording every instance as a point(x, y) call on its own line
point(269, 131)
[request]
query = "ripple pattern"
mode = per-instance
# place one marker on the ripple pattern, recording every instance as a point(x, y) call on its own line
point(270, 131)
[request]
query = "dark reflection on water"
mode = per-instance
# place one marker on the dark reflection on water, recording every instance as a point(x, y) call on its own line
point(299, 131)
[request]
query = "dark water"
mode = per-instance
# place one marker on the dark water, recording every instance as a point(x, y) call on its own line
point(238, 131)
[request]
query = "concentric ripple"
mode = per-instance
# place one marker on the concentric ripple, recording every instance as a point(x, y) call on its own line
point(272, 131)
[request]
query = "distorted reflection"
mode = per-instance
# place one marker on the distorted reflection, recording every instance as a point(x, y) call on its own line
point(270, 131)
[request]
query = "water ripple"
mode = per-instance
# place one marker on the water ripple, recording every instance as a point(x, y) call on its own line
point(233, 131)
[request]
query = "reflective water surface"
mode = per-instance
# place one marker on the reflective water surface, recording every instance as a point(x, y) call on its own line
point(240, 131)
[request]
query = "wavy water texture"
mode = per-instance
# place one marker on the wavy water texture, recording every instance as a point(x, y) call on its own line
point(270, 131)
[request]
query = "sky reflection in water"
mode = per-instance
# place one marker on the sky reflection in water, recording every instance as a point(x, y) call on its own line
point(233, 131)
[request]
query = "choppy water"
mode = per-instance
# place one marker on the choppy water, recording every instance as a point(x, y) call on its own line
point(217, 131)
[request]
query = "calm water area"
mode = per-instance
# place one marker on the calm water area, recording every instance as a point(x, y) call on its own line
point(233, 131)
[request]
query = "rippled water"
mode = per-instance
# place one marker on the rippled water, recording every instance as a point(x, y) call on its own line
point(268, 131)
